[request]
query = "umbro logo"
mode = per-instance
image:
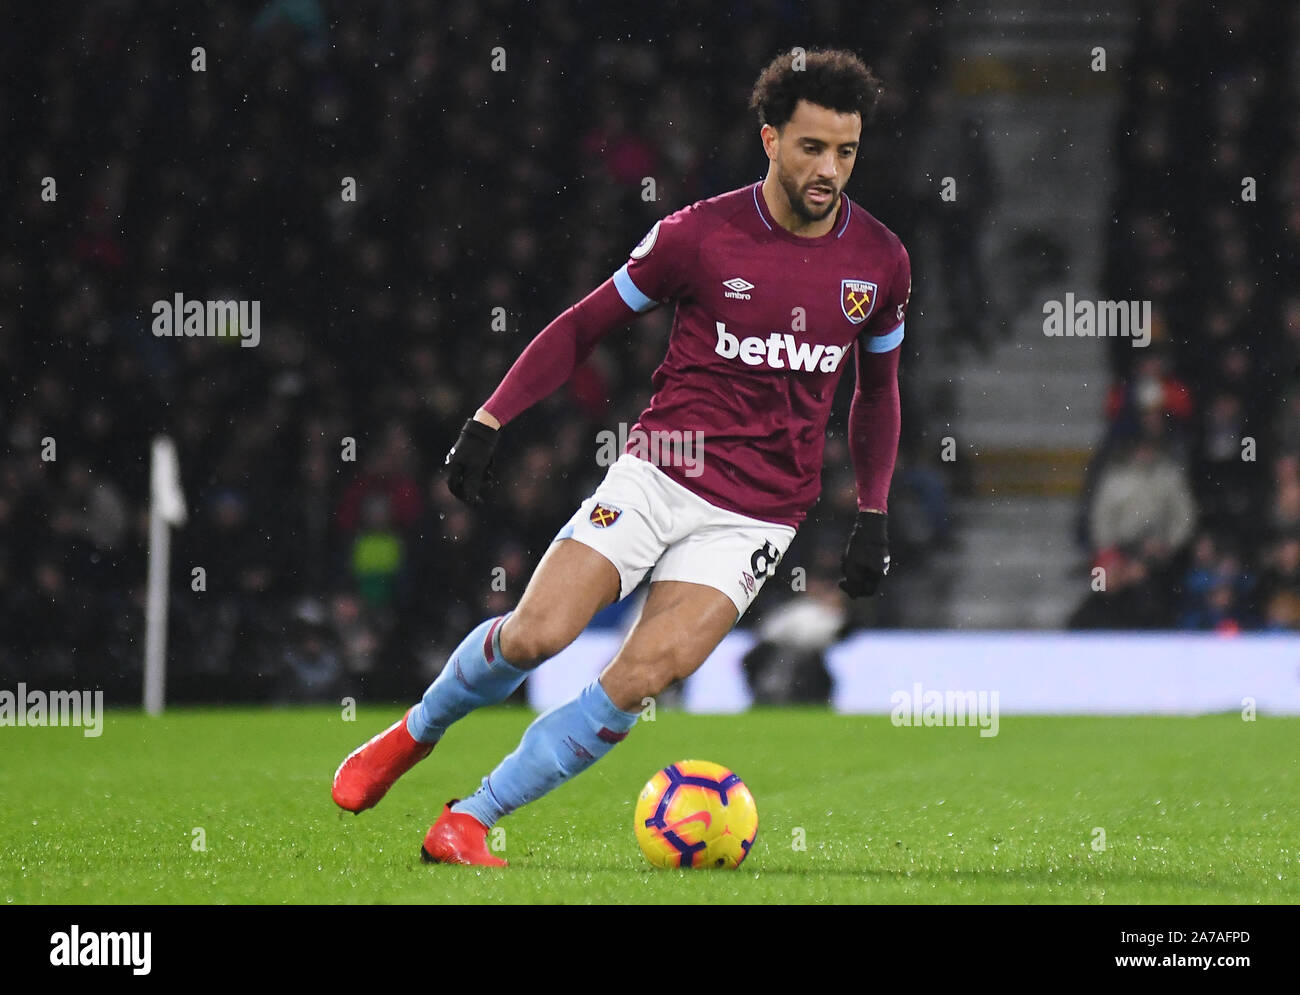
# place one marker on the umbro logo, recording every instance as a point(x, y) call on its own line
point(736, 288)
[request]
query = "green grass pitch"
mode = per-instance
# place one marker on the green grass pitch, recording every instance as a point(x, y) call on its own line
point(1194, 810)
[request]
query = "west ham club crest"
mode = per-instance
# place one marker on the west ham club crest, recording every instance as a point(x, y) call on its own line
point(857, 299)
point(603, 517)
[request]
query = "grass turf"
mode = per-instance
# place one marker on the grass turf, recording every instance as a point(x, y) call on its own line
point(1194, 810)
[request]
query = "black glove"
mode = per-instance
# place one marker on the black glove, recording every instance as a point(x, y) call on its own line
point(866, 557)
point(469, 460)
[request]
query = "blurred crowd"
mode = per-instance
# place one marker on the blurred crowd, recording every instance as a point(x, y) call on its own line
point(1192, 515)
point(499, 153)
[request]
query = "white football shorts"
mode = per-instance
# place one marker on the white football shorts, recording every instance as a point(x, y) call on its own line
point(642, 520)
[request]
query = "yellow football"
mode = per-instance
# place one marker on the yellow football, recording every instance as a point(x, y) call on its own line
point(695, 814)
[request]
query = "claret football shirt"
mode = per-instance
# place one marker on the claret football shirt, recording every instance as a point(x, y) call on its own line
point(766, 322)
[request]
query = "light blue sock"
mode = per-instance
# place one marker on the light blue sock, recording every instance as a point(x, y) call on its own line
point(476, 674)
point(559, 744)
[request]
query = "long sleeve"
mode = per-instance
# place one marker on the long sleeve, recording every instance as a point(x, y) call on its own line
point(875, 423)
point(550, 359)
point(875, 417)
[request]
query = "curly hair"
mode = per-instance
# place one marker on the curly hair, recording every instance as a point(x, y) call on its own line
point(831, 78)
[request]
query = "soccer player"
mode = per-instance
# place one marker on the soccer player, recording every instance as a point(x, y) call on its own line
point(776, 286)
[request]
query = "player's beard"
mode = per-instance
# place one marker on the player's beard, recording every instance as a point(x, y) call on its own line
point(797, 203)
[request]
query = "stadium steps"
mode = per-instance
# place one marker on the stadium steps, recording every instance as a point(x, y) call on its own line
point(1018, 566)
point(1030, 399)
point(1015, 472)
point(1027, 414)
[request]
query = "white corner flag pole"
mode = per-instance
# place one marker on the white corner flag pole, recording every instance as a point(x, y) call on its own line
point(166, 509)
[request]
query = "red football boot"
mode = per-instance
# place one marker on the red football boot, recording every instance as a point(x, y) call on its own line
point(367, 773)
point(458, 838)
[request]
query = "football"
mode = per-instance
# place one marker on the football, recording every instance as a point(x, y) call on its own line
point(696, 814)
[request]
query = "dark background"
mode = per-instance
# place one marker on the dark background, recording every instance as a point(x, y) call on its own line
point(523, 190)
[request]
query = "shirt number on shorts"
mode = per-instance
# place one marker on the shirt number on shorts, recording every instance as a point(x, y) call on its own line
point(763, 562)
